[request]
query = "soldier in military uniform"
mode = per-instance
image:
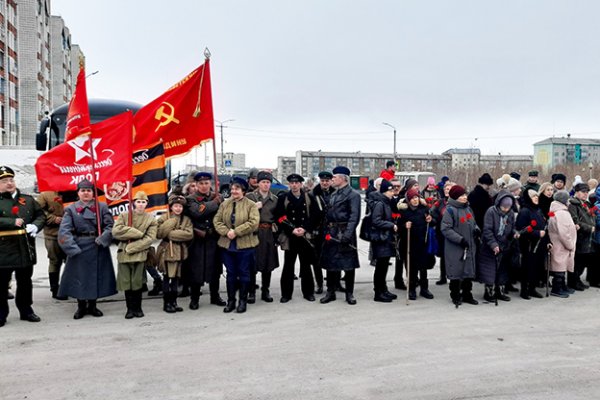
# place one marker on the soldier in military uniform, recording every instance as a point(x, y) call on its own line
point(52, 204)
point(135, 241)
point(89, 273)
point(340, 251)
point(322, 193)
point(299, 217)
point(204, 262)
point(21, 218)
point(266, 259)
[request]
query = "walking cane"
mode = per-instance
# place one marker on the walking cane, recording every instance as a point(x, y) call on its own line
point(548, 272)
point(498, 260)
point(408, 265)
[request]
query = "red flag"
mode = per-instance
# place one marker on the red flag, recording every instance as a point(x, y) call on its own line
point(110, 147)
point(182, 116)
point(78, 117)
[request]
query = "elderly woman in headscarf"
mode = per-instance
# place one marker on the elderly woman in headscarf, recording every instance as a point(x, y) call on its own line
point(498, 233)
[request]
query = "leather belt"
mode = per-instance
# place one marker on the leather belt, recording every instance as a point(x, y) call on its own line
point(13, 233)
point(265, 225)
point(86, 234)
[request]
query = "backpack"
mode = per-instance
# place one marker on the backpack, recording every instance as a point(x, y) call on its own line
point(366, 228)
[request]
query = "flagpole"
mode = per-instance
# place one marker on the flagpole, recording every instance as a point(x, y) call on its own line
point(197, 111)
point(130, 188)
point(94, 182)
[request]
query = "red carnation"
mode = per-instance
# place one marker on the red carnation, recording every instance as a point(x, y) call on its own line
point(529, 229)
point(533, 222)
point(429, 199)
point(551, 214)
point(469, 216)
point(79, 210)
point(58, 199)
point(15, 210)
point(462, 220)
point(328, 237)
point(396, 215)
point(281, 219)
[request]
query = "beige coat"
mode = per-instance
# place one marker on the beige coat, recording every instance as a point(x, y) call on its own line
point(51, 203)
point(563, 236)
point(135, 239)
point(176, 233)
point(247, 219)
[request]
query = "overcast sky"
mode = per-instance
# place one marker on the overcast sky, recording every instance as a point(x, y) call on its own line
point(325, 74)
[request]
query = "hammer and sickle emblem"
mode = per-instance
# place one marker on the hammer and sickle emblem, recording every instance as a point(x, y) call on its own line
point(163, 117)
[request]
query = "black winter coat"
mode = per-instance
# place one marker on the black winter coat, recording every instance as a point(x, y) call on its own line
point(343, 217)
point(480, 201)
point(419, 258)
point(383, 225)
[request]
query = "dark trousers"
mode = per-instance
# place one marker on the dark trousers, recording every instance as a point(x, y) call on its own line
point(420, 275)
point(239, 265)
point(380, 274)
point(24, 293)
point(170, 285)
point(399, 270)
point(334, 277)
point(299, 248)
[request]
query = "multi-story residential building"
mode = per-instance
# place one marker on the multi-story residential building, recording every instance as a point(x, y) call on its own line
point(9, 75)
point(566, 150)
point(285, 167)
point(34, 62)
point(309, 163)
point(61, 62)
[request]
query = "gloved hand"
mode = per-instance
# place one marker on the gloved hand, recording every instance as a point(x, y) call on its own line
point(464, 244)
point(98, 241)
point(31, 229)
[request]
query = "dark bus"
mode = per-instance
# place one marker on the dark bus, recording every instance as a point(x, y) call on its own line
point(52, 128)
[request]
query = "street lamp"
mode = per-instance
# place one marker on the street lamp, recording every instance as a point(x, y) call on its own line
point(394, 128)
point(93, 73)
point(220, 125)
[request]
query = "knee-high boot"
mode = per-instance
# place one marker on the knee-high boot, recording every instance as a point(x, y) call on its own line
point(243, 297)
point(231, 288)
point(81, 309)
point(266, 284)
point(129, 304)
point(455, 291)
point(137, 310)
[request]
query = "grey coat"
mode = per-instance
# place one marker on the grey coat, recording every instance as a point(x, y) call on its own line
point(494, 269)
point(267, 258)
point(458, 223)
point(89, 272)
point(343, 216)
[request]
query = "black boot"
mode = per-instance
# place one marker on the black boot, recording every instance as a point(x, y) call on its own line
point(252, 296)
point(558, 286)
point(215, 298)
point(53, 278)
point(81, 309)
point(157, 288)
point(525, 291)
point(241, 308)
point(174, 302)
point(488, 295)
point(382, 298)
point(137, 303)
point(329, 297)
point(467, 292)
point(266, 296)
point(424, 283)
point(93, 310)
point(350, 298)
point(194, 297)
point(499, 291)
point(167, 303)
point(129, 304)
point(455, 292)
point(230, 297)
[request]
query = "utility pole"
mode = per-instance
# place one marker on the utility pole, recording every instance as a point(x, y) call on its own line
point(394, 128)
point(221, 126)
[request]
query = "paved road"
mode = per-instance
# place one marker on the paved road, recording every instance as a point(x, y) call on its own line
point(537, 349)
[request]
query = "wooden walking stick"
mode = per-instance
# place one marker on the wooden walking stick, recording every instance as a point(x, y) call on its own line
point(407, 266)
point(548, 272)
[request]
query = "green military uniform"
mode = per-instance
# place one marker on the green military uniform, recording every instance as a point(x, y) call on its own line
point(52, 205)
point(21, 217)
